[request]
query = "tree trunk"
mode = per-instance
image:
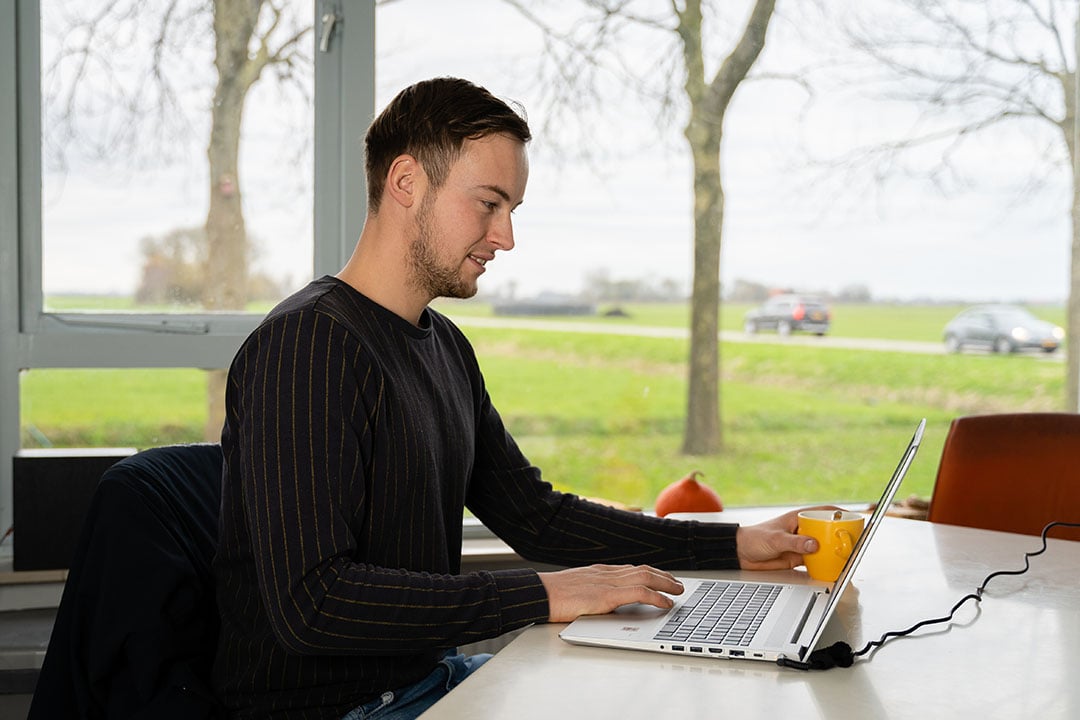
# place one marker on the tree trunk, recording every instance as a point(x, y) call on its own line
point(226, 235)
point(703, 433)
point(708, 104)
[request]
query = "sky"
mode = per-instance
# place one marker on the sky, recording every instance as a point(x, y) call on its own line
point(627, 212)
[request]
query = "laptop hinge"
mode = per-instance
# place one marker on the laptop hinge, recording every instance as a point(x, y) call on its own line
point(802, 621)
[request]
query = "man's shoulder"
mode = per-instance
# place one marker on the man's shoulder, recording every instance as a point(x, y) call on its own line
point(310, 298)
point(325, 298)
point(298, 318)
point(329, 307)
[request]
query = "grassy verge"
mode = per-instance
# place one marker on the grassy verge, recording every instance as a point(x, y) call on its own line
point(112, 407)
point(603, 415)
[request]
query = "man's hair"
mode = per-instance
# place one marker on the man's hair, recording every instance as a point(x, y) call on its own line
point(431, 120)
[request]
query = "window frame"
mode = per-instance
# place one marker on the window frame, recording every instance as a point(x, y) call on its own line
point(32, 338)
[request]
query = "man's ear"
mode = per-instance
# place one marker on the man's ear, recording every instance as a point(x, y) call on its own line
point(406, 180)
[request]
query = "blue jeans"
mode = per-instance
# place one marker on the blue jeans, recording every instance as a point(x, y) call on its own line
point(408, 702)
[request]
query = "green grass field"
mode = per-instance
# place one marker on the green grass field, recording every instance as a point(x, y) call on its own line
point(602, 415)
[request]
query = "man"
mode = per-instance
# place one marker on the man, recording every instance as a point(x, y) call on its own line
point(358, 429)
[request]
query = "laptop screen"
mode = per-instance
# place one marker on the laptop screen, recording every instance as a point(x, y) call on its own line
point(871, 527)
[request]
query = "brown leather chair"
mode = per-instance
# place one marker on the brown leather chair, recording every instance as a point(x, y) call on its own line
point(1011, 472)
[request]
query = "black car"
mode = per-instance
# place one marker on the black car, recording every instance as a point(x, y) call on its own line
point(789, 313)
point(1002, 329)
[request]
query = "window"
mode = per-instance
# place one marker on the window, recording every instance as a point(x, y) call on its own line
point(112, 407)
point(598, 401)
point(109, 288)
point(607, 222)
point(150, 202)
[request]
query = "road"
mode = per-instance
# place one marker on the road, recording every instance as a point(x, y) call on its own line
point(909, 346)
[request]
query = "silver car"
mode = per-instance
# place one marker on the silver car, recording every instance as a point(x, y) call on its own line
point(1002, 329)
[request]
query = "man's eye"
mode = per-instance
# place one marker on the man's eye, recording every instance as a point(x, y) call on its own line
point(490, 205)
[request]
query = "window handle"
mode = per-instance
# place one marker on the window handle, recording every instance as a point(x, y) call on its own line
point(328, 21)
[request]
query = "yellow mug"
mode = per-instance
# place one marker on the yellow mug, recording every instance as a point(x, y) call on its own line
point(836, 531)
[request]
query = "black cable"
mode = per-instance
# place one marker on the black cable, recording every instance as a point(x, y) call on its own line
point(976, 596)
point(840, 654)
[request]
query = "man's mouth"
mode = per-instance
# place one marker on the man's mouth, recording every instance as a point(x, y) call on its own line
point(479, 260)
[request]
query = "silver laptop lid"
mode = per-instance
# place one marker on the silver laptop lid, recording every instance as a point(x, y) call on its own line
point(868, 532)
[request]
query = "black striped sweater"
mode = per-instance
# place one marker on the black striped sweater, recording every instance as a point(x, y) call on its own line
point(353, 442)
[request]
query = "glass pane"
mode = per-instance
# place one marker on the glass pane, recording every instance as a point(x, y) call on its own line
point(607, 224)
point(169, 184)
point(131, 407)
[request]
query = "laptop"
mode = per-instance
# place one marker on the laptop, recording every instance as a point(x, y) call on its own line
point(738, 619)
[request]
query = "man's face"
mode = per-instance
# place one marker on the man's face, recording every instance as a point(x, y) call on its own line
point(462, 223)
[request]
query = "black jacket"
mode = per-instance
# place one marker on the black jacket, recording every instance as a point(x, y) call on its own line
point(137, 625)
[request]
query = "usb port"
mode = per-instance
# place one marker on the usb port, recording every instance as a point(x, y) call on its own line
point(737, 653)
point(680, 648)
point(695, 649)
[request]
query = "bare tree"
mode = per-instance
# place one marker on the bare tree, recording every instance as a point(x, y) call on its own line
point(142, 58)
point(977, 69)
point(589, 55)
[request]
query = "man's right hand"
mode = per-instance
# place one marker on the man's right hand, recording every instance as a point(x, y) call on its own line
point(599, 589)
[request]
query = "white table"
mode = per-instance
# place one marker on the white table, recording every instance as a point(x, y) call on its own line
point(1015, 656)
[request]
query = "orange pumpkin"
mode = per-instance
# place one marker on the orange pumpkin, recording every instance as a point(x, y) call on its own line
point(688, 495)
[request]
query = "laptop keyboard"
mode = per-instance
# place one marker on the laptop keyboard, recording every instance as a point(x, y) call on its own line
point(727, 613)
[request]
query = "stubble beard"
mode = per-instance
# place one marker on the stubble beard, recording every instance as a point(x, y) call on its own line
point(429, 275)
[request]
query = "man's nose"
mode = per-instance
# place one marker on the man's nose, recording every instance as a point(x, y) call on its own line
point(501, 233)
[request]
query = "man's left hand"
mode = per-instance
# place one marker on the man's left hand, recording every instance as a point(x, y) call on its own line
point(773, 544)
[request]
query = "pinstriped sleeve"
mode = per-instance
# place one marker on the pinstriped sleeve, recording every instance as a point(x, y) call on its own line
point(543, 525)
point(304, 399)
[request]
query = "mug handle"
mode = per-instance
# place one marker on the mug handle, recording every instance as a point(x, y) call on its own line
point(846, 543)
